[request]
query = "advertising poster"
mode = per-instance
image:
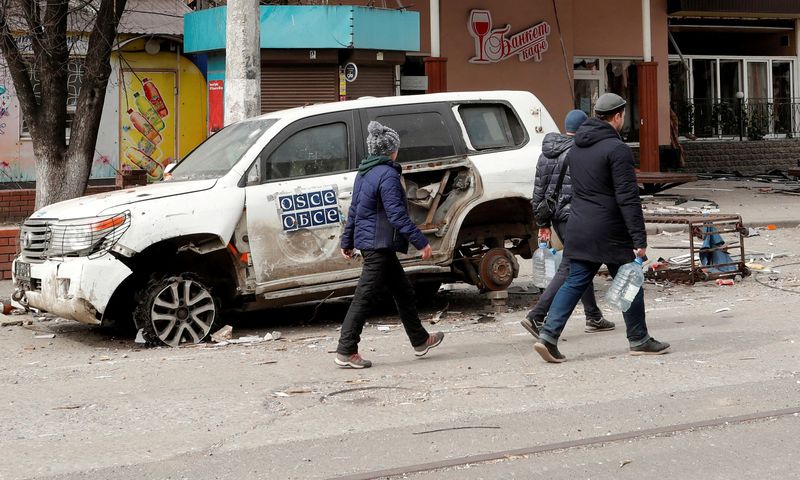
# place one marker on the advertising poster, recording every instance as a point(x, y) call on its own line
point(216, 105)
point(147, 113)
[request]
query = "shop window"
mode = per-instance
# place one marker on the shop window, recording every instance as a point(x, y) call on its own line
point(491, 126)
point(422, 136)
point(74, 82)
point(596, 76)
point(314, 151)
point(731, 97)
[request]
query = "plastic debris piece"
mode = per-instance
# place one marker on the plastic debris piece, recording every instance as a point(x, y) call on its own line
point(720, 310)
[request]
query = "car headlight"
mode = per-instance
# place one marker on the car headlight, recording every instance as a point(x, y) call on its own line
point(86, 237)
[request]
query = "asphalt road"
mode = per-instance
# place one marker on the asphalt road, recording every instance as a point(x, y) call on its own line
point(90, 404)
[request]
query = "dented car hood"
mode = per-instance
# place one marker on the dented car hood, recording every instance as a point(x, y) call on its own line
point(94, 205)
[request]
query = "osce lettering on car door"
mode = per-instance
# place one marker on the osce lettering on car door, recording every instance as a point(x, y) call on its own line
point(297, 205)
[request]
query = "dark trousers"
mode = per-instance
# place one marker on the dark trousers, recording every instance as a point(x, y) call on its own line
point(590, 308)
point(581, 274)
point(382, 272)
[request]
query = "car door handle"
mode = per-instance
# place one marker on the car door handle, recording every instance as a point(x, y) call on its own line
point(344, 195)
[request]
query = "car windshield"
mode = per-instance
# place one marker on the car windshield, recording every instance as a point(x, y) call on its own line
point(220, 152)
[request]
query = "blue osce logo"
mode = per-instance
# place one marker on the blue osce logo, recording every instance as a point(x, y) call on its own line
point(309, 210)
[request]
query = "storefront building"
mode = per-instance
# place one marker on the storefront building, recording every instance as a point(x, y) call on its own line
point(311, 54)
point(147, 64)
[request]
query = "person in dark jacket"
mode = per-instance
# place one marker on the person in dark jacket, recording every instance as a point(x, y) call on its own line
point(378, 225)
point(606, 226)
point(554, 151)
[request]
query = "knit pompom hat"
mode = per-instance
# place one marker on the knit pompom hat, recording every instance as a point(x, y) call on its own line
point(381, 140)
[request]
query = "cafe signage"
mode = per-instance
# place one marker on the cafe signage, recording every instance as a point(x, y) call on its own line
point(493, 45)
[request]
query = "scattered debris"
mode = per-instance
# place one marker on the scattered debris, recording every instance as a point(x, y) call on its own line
point(725, 282)
point(273, 336)
point(6, 322)
point(266, 362)
point(440, 314)
point(140, 337)
point(720, 310)
point(223, 334)
point(45, 335)
point(624, 462)
point(384, 328)
point(483, 318)
point(247, 339)
point(477, 427)
point(280, 394)
point(68, 407)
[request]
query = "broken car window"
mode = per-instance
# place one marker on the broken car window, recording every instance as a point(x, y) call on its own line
point(422, 136)
point(314, 151)
point(491, 126)
point(221, 151)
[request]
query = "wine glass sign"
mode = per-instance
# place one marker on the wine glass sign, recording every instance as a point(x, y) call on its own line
point(492, 45)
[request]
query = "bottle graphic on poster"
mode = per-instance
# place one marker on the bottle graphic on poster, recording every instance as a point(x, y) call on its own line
point(144, 127)
point(154, 97)
point(149, 112)
point(138, 158)
point(139, 141)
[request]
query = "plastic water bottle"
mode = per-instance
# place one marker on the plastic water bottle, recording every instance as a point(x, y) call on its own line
point(626, 285)
point(544, 266)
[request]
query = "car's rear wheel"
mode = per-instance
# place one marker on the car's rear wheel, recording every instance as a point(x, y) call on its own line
point(176, 309)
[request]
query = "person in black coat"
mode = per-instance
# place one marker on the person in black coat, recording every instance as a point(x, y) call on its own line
point(548, 170)
point(379, 226)
point(606, 226)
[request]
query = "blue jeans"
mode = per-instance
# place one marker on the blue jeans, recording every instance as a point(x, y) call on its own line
point(581, 274)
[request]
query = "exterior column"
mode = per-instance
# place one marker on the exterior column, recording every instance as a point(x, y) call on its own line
point(436, 71)
point(242, 61)
point(436, 65)
point(647, 75)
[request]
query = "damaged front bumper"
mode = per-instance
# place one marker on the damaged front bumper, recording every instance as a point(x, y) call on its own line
point(74, 288)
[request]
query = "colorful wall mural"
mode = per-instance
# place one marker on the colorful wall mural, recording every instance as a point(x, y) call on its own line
point(147, 136)
point(139, 82)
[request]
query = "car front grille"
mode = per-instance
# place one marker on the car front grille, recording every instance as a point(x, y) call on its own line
point(33, 238)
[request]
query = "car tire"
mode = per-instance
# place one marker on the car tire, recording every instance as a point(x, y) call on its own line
point(176, 309)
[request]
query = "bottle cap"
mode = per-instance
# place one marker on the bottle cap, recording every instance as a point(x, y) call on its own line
point(130, 110)
point(135, 94)
point(542, 244)
point(639, 260)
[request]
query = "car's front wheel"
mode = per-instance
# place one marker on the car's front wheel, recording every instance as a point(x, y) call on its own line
point(176, 309)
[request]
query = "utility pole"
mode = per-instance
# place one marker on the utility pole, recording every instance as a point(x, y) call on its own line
point(242, 61)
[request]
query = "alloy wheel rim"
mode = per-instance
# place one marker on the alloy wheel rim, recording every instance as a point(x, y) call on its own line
point(182, 311)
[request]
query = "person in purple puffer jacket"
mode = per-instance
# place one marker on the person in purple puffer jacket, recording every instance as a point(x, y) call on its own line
point(379, 226)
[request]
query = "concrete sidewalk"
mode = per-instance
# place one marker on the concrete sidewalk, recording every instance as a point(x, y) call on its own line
point(759, 203)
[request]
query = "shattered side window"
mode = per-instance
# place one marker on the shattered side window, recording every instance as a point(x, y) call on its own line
point(317, 150)
point(423, 136)
point(221, 151)
point(491, 126)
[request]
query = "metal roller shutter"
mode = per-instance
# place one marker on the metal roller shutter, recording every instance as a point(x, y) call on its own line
point(289, 86)
point(372, 81)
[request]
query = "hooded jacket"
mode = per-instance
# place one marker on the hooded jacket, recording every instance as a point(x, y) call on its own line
point(606, 221)
point(378, 215)
point(554, 151)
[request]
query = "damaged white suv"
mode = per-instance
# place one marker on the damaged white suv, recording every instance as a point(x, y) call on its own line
point(252, 217)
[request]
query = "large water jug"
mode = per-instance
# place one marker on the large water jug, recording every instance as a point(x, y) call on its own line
point(544, 266)
point(626, 285)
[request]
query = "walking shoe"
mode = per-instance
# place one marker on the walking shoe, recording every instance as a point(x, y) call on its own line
point(532, 325)
point(432, 342)
point(548, 351)
point(598, 325)
point(651, 347)
point(352, 361)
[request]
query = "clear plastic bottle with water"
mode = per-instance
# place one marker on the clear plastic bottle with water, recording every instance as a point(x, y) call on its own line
point(626, 285)
point(544, 266)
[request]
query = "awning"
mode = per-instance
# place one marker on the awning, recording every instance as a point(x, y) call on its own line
point(744, 8)
point(311, 27)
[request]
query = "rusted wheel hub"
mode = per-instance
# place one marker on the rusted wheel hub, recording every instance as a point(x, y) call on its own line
point(496, 269)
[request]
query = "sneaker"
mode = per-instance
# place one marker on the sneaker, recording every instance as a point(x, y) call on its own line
point(598, 325)
point(432, 342)
point(548, 351)
point(352, 361)
point(651, 347)
point(532, 325)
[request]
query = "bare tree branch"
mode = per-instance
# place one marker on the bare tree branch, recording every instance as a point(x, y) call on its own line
point(18, 69)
